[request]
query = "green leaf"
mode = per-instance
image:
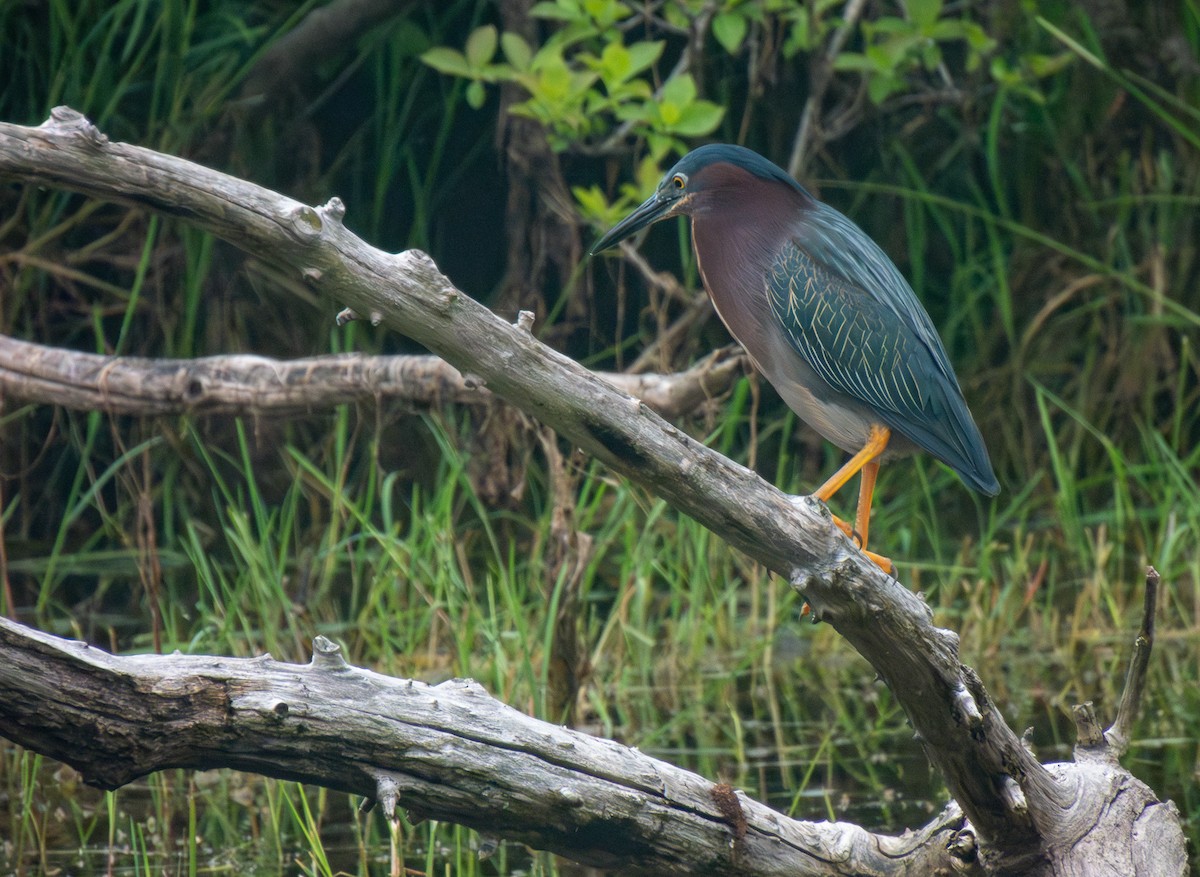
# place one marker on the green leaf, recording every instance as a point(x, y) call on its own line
point(555, 11)
point(1048, 65)
point(891, 54)
point(679, 90)
point(698, 118)
point(448, 61)
point(616, 64)
point(525, 110)
point(880, 87)
point(659, 145)
point(581, 82)
point(516, 50)
point(606, 13)
point(647, 174)
point(549, 54)
point(1004, 74)
point(799, 39)
point(594, 205)
point(923, 13)
point(676, 15)
point(629, 92)
point(977, 38)
point(888, 24)
point(475, 94)
point(730, 29)
point(481, 45)
point(948, 29)
point(634, 112)
point(854, 61)
point(642, 55)
point(931, 55)
point(554, 80)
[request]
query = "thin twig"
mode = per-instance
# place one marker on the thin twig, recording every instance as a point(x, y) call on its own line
point(1118, 735)
point(822, 73)
point(664, 281)
point(662, 348)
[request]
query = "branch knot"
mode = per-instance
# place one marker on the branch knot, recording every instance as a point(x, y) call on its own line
point(74, 123)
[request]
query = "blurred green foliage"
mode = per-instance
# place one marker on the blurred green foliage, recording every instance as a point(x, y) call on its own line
point(591, 87)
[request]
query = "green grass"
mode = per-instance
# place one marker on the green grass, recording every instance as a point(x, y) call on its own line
point(697, 655)
point(1051, 236)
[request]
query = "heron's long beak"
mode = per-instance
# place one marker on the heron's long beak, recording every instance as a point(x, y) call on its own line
point(653, 209)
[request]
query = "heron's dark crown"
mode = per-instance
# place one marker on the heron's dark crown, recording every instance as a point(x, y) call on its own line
point(738, 156)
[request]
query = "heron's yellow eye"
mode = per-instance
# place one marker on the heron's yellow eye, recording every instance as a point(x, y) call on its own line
point(678, 181)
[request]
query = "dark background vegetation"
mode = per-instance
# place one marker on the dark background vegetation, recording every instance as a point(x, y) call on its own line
point(1033, 168)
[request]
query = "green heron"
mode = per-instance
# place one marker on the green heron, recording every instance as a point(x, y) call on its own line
point(824, 315)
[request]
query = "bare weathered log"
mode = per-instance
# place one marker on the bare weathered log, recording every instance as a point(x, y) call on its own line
point(448, 751)
point(256, 385)
point(1024, 818)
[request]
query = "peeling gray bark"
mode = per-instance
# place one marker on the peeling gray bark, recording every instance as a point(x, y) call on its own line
point(257, 385)
point(1022, 817)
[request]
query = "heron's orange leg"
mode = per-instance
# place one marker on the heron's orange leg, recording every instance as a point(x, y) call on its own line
point(866, 490)
point(867, 462)
point(862, 517)
point(876, 443)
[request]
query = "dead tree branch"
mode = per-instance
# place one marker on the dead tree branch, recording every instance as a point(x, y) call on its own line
point(255, 385)
point(1121, 732)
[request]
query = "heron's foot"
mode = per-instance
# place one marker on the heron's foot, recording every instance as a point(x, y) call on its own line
point(884, 563)
point(845, 527)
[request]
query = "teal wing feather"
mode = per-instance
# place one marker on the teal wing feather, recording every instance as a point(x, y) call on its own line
point(852, 316)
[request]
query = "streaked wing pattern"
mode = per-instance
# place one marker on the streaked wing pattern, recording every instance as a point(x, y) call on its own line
point(839, 246)
point(850, 339)
point(866, 344)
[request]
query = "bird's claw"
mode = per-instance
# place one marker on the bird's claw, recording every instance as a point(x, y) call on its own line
point(846, 528)
point(884, 563)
